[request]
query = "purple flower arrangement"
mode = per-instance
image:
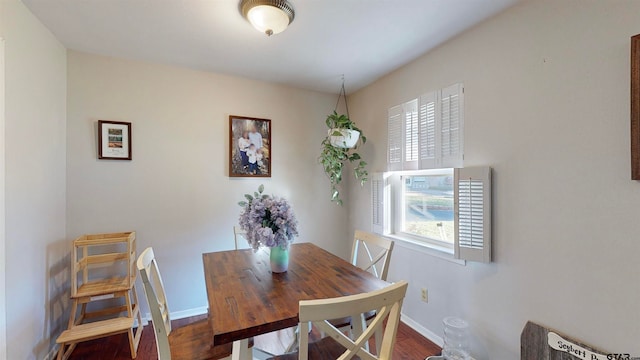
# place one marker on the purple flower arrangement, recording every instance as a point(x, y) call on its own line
point(268, 220)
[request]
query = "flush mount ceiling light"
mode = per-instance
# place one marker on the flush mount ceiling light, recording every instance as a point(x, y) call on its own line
point(268, 16)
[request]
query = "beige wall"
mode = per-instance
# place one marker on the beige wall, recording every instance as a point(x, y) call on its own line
point(3, 268)
point(547, 106)
point(35, 137)
point(176, 193)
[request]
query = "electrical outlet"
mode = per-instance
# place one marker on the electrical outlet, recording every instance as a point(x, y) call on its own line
point(424, 295)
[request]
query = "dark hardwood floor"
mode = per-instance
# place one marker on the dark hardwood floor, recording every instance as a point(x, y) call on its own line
point(410, 345)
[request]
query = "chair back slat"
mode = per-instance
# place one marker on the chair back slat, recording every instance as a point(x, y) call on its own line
point(387, 302)
point(364, 246)
point(239, 234)
point(154, 291)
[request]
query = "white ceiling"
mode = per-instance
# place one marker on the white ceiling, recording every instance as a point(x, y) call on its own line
point(362, 39)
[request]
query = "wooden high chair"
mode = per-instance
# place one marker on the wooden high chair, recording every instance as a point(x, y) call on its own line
point(102, 269)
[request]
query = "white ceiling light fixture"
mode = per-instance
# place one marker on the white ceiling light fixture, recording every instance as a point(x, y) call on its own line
point(268, 16)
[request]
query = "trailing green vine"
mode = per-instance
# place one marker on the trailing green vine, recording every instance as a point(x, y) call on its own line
point(334, 158)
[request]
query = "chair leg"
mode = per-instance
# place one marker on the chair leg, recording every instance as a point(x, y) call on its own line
point(241, 350)
point(132, 347)
point(294, 344)
point(357, 328)
point(64, 354)
point(378, 338)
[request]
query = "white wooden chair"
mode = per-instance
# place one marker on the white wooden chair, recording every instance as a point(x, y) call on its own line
point(386, 302)
point(365, 245)
point(239, 236)
point(371, 253)
point(193, 341)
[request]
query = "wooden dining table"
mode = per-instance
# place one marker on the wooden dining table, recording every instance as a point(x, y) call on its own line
point(246, 299)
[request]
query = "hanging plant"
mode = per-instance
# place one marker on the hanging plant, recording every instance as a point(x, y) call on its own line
point(339, 147)
point(342, 132)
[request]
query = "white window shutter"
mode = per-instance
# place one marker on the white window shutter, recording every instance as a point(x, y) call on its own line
point(394, 141)
point(428, 132)
point(379, 203)
point(451, 129)
point(473, 214)
point(428, 108)
point(410, 135)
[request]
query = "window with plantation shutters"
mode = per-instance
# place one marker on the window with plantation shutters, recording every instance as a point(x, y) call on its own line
point(427, 132)
point(411, 132)
point(395, 138)
point(379, 199)
point(448, 210)
point(472, 214)
point(451, 110)
point(427, 197)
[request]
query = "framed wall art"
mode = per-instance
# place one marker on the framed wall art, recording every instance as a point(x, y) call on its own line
point(114, 140)
point(250, 147)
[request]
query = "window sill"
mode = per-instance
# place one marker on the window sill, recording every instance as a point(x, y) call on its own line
point(429, 249)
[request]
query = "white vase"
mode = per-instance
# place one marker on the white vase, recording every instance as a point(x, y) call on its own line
point(347, 138)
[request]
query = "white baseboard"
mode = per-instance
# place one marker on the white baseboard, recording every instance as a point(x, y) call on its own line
point(433, 337)
point(436, 339)
point(144, 320)
point(189, 312)
point(182, 313)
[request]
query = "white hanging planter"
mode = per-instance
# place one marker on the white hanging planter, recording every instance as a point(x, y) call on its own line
point(346, 140)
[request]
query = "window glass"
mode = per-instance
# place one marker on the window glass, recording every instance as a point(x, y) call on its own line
point(427, 206)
